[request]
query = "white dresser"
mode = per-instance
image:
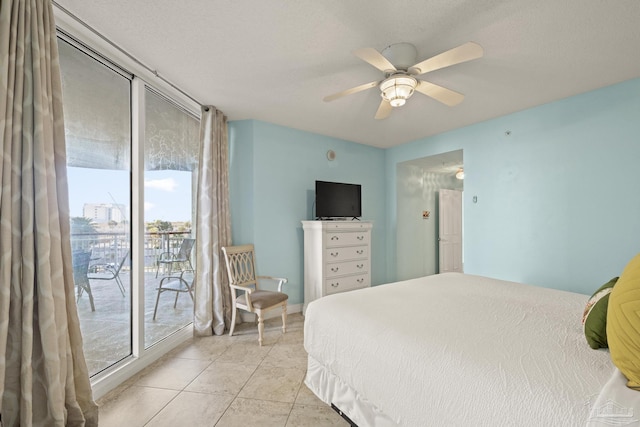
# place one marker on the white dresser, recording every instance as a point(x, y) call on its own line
point(337, 257)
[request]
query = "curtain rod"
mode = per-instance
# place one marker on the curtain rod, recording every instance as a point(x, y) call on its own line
point(124, 52)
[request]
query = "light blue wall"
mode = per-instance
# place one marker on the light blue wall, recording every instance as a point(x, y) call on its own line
point(558, 199)
point(417, 238)
point(273, 170)
point(241, 181)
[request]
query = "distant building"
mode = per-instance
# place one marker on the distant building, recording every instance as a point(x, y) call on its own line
point(102, 213)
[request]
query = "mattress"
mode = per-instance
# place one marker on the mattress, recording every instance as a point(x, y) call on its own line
point(455, 350)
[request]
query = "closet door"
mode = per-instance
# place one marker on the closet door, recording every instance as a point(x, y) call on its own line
point(450, 231)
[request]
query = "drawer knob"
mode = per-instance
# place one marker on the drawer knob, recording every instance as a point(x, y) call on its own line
point(360, 280)
point(335, 269)
point(335, 238)
point(335, 285)
point(360, 265)
point(360, 252)
point(334, 254)
point(360, 237)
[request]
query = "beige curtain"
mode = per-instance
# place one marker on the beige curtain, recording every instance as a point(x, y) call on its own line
point(43, 374)
point(213, 226)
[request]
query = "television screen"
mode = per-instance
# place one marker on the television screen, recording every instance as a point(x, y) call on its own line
point(336, 199)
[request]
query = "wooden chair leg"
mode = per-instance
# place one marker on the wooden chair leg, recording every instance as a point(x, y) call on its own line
point(284, 318)
point(260, 327)
point(233, 321)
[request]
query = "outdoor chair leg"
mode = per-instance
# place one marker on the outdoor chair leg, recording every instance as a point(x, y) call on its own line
point(120, 285)
point(89, 293)
point(93, 307)
point(155, 310)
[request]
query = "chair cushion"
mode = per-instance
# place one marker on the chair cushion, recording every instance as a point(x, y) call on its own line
point(263, 299)
point(623, 323)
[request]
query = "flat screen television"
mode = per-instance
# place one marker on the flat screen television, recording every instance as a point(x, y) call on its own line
point(338, 200)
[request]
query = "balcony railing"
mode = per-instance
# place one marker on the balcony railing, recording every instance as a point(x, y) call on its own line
point(111, 247)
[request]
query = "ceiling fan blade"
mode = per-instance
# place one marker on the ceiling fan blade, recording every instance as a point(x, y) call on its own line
point(383, 110)
point(375, 58)
point(439, 93)
point(350, 91)
point(457, 55)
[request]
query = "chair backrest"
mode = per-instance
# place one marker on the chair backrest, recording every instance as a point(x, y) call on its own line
point(185, 248)
point(241, 265)
point(122, 261)
point(80, 261)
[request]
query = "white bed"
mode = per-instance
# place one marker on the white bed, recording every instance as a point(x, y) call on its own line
point(454, 350)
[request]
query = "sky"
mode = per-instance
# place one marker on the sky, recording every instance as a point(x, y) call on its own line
point(167, 193)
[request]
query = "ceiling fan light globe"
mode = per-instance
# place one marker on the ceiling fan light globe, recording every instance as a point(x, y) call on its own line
point(397, 89)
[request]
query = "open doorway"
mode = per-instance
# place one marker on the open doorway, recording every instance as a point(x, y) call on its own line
point(418, 184)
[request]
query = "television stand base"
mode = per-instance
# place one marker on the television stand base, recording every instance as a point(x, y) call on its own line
point(337, 218)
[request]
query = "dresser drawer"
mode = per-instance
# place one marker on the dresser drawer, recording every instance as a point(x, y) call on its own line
point(348, 283)
point(345, 253)
point(347, 267)
point(346, 239)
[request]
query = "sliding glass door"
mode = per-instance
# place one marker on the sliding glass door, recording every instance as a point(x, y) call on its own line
point(121, 311)
point(97, 110)
point(170, 164)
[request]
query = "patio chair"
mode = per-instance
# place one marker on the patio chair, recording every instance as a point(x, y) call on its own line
point(177, 284)
point(80, 261)
point(241, 269)
point(109, 272)
point(168, 259)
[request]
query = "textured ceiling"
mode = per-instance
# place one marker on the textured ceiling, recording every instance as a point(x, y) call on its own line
point(275, 60)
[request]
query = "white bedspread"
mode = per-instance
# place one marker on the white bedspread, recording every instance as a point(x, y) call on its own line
point(454, 350)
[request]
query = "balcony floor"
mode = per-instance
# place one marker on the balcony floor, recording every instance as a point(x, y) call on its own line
point(107, 330)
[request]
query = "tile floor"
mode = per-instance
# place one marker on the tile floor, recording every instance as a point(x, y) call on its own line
point(224, 381)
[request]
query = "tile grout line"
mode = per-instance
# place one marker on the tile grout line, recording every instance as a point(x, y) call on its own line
point(183, 389)
point(241, 388)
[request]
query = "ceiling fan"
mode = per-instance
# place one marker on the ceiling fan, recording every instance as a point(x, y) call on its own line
point(400, 80)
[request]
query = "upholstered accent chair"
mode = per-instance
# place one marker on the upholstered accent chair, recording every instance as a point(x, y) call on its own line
point(240, 262)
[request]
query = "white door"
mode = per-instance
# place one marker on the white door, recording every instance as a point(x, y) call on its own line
point(450, 230)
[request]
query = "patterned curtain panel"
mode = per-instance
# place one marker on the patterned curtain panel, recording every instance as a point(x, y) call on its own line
point(43, 374)
point(213, 226)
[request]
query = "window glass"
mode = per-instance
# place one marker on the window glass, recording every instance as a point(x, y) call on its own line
point(97, 114)
point(170, 159)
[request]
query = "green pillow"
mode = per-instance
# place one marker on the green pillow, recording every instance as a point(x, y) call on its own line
point(594, 317)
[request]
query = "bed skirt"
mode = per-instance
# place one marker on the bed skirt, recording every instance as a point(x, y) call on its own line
point(332, 390)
